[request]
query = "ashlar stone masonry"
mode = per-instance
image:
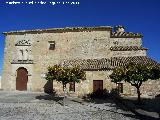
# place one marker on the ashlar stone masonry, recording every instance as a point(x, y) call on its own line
point(97, 50)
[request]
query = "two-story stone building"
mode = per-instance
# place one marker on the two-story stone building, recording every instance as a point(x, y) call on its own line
point(97, 50)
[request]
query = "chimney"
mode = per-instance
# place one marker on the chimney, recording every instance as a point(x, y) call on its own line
point(119, 29)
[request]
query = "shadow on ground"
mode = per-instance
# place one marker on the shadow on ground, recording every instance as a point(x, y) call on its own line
point(149, 109)
point(49, 97)
point(51, 94)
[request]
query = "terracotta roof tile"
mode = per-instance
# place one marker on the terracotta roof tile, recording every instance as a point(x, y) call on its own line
point(88, 64)
point(126, 48)
point(125, 35)
point(108, 64)
point(121, 61)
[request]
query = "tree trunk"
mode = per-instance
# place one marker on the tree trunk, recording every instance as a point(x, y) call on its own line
point(65, 95)
point(48, 87)
point(139, 94)
point(64, 87)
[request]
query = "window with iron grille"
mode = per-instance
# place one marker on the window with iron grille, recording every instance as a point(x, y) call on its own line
point(72, 86)
point(120, 87)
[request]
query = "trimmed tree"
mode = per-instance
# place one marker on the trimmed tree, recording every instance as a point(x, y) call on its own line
point(50, 76)
point(135, 74)
point(65, 75)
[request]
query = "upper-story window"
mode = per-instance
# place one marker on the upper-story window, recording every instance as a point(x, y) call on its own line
point(51, 45)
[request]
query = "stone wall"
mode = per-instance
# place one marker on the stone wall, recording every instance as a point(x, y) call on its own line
point(68, 45)
point(126, 42)
point(71, 45)
point(128, 53)
point(7, 71)
point(86, 86)
point(149, 88)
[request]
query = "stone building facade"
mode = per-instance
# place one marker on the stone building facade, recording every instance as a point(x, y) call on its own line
point(97, 50)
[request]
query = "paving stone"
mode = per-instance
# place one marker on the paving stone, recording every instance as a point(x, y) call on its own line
point(30, 108)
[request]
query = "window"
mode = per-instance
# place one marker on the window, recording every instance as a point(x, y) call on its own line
point(120, 87)
point(72, 86)
point(51, 45)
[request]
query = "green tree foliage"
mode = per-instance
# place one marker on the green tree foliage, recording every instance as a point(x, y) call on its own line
point(135, 74)
point(65, 75)
point(52, 72)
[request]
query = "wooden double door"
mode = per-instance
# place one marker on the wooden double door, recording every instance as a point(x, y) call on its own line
point(22, 79)
point(97, 85)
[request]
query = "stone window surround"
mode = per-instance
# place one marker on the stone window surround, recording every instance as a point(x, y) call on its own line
point(51, 45)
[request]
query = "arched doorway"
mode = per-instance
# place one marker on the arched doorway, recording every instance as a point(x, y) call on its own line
point(22, 79)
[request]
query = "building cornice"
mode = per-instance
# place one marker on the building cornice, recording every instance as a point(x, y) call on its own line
point(59, 30)
point(117, 34)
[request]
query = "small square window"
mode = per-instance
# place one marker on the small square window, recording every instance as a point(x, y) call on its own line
point(72, 86)
point(51, 45)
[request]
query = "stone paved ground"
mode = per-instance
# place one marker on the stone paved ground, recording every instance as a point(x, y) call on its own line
point(26, 106)
point(149, 108)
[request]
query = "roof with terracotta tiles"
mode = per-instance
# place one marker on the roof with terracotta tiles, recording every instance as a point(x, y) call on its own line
point(127, 48)
point(88, 64)
point(125, 35)
point(121, 61)
point(108, 64)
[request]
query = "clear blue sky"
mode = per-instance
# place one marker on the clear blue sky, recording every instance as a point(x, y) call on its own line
point(141, 16)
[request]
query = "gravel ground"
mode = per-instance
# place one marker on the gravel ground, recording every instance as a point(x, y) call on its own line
point(26, 106)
